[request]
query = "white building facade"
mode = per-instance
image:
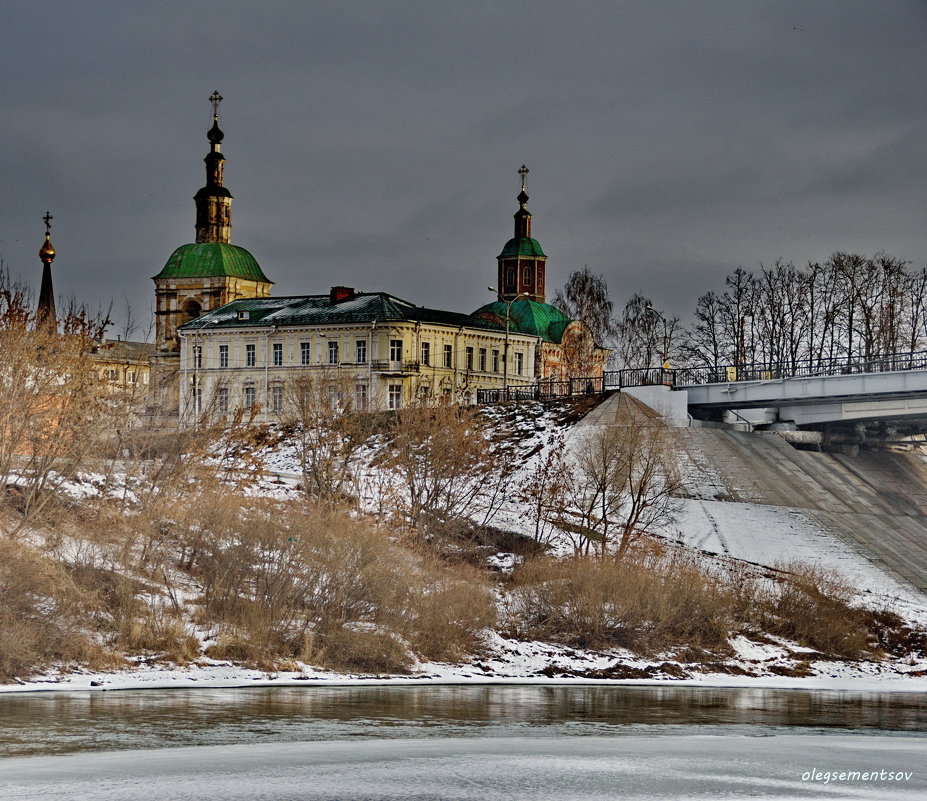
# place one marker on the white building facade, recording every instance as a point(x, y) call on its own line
point(380, 351)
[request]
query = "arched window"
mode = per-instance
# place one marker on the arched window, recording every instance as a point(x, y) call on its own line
point(190, 310)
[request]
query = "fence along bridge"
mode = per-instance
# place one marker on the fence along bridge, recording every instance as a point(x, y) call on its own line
point(889, 389)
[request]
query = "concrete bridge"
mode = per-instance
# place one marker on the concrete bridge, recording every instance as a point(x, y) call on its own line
point(843, 397)
point(811, 400)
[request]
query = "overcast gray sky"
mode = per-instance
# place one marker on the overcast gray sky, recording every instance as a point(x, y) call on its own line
point(375, 144)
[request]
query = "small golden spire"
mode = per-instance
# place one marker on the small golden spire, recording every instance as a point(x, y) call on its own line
point(47, 252)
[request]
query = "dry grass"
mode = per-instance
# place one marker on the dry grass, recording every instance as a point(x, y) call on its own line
point(645, 602)
point(42, 614)
point(812, 607)
point(653, 602)
point(318, 584)
point(157, 631)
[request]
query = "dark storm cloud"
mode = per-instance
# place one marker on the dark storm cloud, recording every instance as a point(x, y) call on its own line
point(375, 144)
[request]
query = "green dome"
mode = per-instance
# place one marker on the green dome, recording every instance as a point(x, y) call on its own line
point(521, 246)
point(529, 317)
point(212, 260)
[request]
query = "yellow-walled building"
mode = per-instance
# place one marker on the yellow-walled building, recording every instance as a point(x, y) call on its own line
point(385, 351)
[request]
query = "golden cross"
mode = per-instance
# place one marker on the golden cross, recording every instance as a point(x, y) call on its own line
point(523, 172)
point(215, 98)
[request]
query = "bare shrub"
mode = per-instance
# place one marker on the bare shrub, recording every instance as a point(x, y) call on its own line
point(297, 581)
point(447, 614)
point(812, 606)
point(442, 462)
point(623, 484)
point(41, 614)
point(365, 651)
point(160, 632)
point(53, 410)
point(328, 432)
point(542, 492)
point(647, 602)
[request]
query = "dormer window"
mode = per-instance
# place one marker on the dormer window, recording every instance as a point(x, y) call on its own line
point(243, 315)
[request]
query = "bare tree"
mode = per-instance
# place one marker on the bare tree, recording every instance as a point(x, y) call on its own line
point(542, 492)
point(584, 297)
point(644, 336)
point(442, 461)
point(54, 409)
point(624, 481)
point(328, 432)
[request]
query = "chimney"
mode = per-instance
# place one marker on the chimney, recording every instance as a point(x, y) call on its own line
point(340, 293)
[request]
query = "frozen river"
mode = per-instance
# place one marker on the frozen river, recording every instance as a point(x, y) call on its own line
point(463, 743)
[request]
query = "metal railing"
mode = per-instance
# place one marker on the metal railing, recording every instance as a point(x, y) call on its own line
point(773, 371)
point(612, 380)
point(545, 390)
point(387, 366)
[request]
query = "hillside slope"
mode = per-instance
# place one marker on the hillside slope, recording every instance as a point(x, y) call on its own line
point(874, 503)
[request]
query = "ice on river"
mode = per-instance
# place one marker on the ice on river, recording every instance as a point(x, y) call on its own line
point(491, 768)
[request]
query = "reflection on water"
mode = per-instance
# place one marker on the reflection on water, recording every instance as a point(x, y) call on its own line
point(61, 723)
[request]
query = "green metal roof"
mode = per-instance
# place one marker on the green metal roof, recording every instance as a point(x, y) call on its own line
point(521, 246)
point(362, 307)
point(211, 260)
point(528, 317)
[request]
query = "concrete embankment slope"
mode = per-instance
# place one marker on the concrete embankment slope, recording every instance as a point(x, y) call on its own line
point(876, 502)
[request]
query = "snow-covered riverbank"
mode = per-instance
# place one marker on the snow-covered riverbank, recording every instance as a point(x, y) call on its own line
point(512, 662)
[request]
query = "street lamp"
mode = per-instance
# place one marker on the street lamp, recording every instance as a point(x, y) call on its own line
point(505, 354)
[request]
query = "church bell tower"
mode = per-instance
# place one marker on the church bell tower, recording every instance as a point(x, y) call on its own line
point(210, 272)
point(522, 263)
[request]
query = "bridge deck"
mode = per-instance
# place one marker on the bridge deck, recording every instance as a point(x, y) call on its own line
point(809, 390)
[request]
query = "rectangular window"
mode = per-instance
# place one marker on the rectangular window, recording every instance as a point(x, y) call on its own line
point(130, 377)
point(197, 399)
point(250, 397)
point(395, 396)
point(395, 350)
point(426, 353)
point(360, 397)
point(361, 351)
point(111, 374)
point(276, 398)
point(250, 355)
point(332, 352)
point(222, 400)
point(469, 358)
point(519, 363)
point(278, 354)
point(198, 356)
point(495, 361)
point(448, 355)
point(223, 355)
point(482, 360)
point(305, 353)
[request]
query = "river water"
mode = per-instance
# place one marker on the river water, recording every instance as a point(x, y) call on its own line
point(493, 742)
